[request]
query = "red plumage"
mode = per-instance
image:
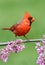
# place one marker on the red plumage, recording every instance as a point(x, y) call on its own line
point(23, 27)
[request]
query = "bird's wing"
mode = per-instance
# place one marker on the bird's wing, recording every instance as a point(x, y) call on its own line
point(15, 26)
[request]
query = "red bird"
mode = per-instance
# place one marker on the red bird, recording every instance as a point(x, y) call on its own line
point(23, 27)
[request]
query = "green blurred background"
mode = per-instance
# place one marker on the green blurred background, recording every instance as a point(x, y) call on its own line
point(11, 11)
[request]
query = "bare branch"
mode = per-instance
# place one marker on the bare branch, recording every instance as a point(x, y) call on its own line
point(24, 41)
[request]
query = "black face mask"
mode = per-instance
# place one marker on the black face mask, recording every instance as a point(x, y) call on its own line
point(30, 20)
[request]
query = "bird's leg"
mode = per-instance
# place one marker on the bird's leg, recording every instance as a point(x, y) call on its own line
point(26, 37)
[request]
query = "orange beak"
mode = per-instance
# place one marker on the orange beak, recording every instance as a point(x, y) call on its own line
point(32, 20)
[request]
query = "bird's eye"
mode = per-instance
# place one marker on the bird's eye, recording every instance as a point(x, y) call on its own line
point(30, 18)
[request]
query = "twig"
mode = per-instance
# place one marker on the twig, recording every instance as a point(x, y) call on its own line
point(24, 41)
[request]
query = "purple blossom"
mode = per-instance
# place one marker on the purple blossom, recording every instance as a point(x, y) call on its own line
point(43, 41)
point(41, 52)
point(4, 54)
point(13, 46)
point(37, 44)
point(21, 47)
point(15, 49)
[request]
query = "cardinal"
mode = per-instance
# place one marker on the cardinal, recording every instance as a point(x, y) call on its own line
point(23, 27)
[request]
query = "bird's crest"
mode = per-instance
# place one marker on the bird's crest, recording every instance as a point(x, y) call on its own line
point(27, 15)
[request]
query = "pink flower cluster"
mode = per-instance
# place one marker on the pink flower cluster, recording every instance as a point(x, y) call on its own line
point(13, 46)
point(40, 47)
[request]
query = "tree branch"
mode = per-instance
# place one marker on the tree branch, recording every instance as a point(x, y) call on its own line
point(24, 41)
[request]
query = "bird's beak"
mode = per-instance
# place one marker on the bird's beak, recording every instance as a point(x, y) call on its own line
point(32, 20)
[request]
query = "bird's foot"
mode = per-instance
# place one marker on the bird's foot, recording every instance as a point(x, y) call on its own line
point(26, 38)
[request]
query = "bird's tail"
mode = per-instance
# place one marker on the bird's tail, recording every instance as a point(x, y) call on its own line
point(5, 28)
